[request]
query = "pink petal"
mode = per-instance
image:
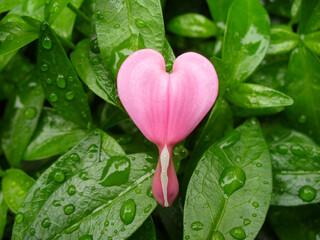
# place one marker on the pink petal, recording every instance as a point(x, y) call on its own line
point(166, 107)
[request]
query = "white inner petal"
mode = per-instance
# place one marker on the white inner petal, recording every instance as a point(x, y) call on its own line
point(164, 160)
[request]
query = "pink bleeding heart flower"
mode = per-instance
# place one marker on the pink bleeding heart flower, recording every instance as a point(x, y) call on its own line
point(166, 107)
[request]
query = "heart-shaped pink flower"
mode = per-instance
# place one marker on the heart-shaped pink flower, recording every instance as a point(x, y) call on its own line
point(166, 107)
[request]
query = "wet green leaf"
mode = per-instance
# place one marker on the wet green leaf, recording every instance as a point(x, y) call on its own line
point(192, 25)
point(246, 38)
point(7, 5)
point(53, 8)
point(282, 39)
point(248, 95)
point(94, 73)
point(126, 26)
point(54, 135)
point(230, 190)
point(14, 35)
point(312, 41)
point(61, 84)
point(3, 214)
point(21, 118)
point(296, 223)
point(303, 85)
point(90, 193)
point(309, 19)
point(296, 166)
point(146, 231)
point(219, 11)
point(295, 11)
point(15, 186)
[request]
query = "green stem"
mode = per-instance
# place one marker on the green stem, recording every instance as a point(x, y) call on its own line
point(78, 13)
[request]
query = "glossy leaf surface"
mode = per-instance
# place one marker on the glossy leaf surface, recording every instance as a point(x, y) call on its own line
point(309, 19)
point(312, 41)
point(230, 190)
point(3, 214)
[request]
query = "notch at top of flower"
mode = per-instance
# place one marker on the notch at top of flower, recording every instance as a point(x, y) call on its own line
point(166, 107)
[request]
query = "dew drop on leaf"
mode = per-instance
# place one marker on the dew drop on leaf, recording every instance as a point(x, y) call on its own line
point(297, 150)
point(86, 237)
point(197, 226)
point(217, 236)
point(307, 193)
point(44, 67)
point(116, 26)
point(75, 157)
point(95, 60)
point(282, 148)
point(30, 112)
point(56, 203)
point(128, 211)
point(255, 204)
point(46, 223)
point(46, 43)
point(94, 45)
point(70, 95)
point(43, 26)
point(259, 165)
point(254, 214)
point(19, 218)
point(99, 15)
point(238, 233)
point(148, 208)
point(232, 179)
point(71, 190)
point(302, 119)
point(61, 82)
point(68, 209)
point(246, 222)
point(59, 176)
point(138, 191)
point(140, 23)
point(231, 140)
point(49, 81)
point(149, 192)
point(116, 171)
point(53, 97)
point(32, 231)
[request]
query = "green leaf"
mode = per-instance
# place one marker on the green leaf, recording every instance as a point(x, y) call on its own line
point(271, 73)
point(296, 166)
point(248, 95)
point(223, 71)
point(146, 231)
point(296, 223)
point(230, 191)
point(3, 214)
point(110, 116)
point(312, 41)
point(303, 85)
point(192, 25)
point(278, 7)
point(93, 72)
point(219, 11)
point(89, 193)
point(7, 5)
point(254, 112)
point(15, 186)
point(21, 119)
point(246, 38)
point(126, 26)
point(14, 35)
point(5, 59)
point(309, 19)
point(219, 123)
point(282, 40)
point(295, 11)
point(61, 85)
point(53, 8)
point(54, 135)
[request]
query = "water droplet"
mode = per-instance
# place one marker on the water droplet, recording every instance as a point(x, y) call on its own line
point(255, 204)
point(49, 81)
point(232, 139)
point(44, 67)
point(196, 172)
point(70, 95)
point(297, 150)
point(43, 26)
point(282, 148)
point(149, 192)
point(95, 60)
point(46, 223)
point(106, 223)
point(259, 164)
point(21, 192)
point(238, 233)
point(19, 218)
point(187, 237)
point(116, 171)
point(232, 179)
point(30, 112)
point(53, 97)
point(307, 193)
point(115, 231)
point(56, 203)
point(86, 237)
point(197, 226)
point(32, 231)
point(46, 43)
point(61, 82)
point(99, 15)
point(138, 191)
point(302, 119)
point(75, 157)
point(122, 229)
point(128, 211)
point(116, 26)
point(148, 208)
point(254, 214)
point(140, 23)
point(71, 190)
point(59, 176)
point(69, 209)
point(94, 45)
point(217, 236)
point(246, 222)
point(265, 182)
point(207, 138)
